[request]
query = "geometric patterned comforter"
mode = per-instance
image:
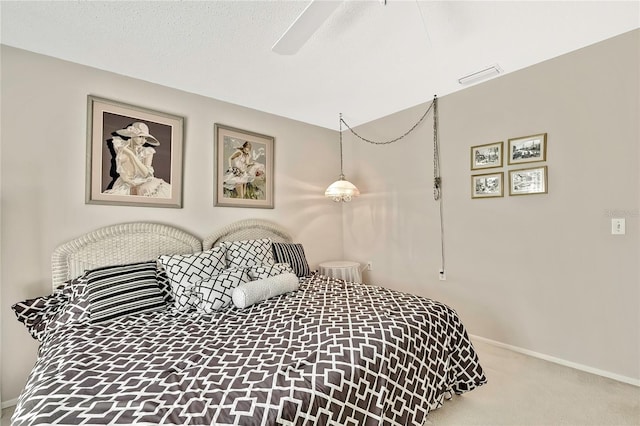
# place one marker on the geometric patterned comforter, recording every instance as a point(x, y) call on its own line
point(332, 353)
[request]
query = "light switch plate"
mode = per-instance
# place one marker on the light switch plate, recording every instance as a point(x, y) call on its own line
point(617, 226)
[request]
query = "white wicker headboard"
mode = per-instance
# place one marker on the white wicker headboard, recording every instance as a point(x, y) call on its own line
point(119, 244)
point(248, 229)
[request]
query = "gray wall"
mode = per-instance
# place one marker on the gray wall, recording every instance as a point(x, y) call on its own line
point(43, 178)
point(539, 272)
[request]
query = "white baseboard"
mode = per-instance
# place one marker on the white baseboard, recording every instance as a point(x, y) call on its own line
point(585, 368)
point(10, 403)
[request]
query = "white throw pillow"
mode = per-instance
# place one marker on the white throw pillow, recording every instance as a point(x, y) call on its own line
point(256, 291)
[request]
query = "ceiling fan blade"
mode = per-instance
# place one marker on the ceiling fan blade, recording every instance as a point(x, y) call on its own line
point(304, 26)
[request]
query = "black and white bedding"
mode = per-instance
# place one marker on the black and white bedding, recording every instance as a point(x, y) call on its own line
point(241, 333)
point(330, 353)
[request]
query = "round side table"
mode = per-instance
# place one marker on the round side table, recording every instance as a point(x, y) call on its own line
point(343, 269)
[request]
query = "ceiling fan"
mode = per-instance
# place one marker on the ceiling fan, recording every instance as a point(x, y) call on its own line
point(307, 23)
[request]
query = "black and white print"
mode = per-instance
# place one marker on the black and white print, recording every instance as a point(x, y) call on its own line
point(185, 271)
point(371, 356)
point(215, 293)
point(293, 254)
point(116, 291)
point(265, 271)
point(248, 253)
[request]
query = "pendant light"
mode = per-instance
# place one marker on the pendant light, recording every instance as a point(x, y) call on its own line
point(341, 190)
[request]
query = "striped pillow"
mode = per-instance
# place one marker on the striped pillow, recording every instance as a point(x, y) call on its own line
point(293, 254)
point(116, 291)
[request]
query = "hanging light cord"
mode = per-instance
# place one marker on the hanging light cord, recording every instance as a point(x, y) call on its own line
point(436, 153)
point(437, 180)
point(341, 172)
point(392, 140)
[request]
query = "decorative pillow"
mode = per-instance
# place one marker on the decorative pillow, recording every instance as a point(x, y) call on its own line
point(256, 291)
point(247, 253)
point(215, 293)
point(36, 314)
point(265, 271)
point(116, 291)
point(164, 283)
point(77, 310)
point(293, 254)
point(186, 270)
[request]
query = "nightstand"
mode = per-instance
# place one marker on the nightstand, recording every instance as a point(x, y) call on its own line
point(343, 269)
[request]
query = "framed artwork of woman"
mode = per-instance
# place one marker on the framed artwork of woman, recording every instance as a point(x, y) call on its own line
point(244, 164)
point(134, 155)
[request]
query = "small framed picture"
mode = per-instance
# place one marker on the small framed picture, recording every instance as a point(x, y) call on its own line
point(486, 156)
point(528, 181)
point(244, 164)
point(134, 155)
point(528, 149)
point(487, 185)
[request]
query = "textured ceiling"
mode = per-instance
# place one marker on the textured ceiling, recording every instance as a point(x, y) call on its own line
point(367, 60)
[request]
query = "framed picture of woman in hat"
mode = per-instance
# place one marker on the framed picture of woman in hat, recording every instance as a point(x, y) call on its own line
point(135, 155)
point(244, 165)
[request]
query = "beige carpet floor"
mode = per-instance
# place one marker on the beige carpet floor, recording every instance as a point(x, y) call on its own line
point(526, 391)
point(523, 390)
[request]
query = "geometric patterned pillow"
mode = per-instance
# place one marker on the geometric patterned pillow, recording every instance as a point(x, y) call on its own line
point(116, 291)
point(215, 293)
point(165, 285)
point(244, 254)
point(265, 271)
point(185, 271)
point(74, 310)
point(36, 314)
point(293, 254)
point(77, 310)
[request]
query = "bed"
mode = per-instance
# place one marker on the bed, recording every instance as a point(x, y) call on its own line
point(316, 351)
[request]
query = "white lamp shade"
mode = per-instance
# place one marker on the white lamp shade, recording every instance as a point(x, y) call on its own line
point(341, 190)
